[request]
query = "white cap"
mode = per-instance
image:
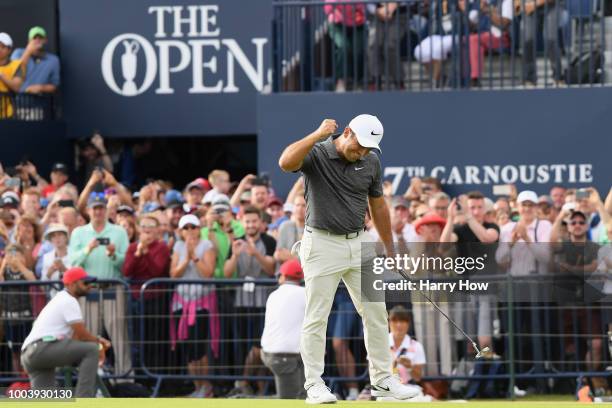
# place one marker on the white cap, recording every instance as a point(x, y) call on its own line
point(489, 205)
point(188, 219)
point(368, 129)
point(527, 195)
point(56, 228)
point(6, 40)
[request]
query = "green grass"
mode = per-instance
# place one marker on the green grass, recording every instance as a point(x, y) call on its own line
point(538, 401)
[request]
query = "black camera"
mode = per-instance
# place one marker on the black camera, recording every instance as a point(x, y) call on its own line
point(103, 241)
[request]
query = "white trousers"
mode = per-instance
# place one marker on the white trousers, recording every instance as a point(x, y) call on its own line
point(326, 259)
point(434, 47)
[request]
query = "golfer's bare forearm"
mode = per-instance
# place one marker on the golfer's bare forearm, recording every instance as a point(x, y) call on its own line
point(382, 222)
point(292, 157)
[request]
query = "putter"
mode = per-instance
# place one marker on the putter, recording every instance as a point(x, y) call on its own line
point(479, 352)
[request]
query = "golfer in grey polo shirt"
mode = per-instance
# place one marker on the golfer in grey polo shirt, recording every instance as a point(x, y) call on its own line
point(342, 178)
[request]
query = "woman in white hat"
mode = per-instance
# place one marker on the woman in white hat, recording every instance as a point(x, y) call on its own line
point(55, 262)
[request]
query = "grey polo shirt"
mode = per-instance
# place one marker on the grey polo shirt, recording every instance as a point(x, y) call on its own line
point(336, 190)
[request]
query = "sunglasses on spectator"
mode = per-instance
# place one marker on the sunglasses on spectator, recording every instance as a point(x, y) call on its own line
point(189, 227)
point(148, 226)
point(577, 223)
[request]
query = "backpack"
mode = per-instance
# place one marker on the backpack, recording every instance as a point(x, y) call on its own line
point(586, 68)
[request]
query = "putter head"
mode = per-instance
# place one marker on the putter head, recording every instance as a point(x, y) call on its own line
point(480, 352)
point(295, 249)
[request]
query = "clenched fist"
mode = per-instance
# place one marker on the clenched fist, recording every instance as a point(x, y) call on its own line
point(328, 127)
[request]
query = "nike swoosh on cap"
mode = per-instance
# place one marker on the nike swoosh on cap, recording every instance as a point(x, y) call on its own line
point(375, 134)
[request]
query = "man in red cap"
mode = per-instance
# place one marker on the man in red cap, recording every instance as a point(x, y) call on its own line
point(280, 340)
point(59, 338)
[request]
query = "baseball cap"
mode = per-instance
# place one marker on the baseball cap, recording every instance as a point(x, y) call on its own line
point(194, 184)
point(96, 200)
point(221, 203)
point(245, 196)
point(37, 30)
point(6, 40)
point(545, 199)
point(76, 274)
point(60, 167)
point(53, 228)
point(188, 219)
point(399, 202)
point(126, 209)
point(274, 201)
point(288, 207)
point(577, 213)
point(9, 198)
point(368, 129)
point(527, 195)
point(429, 218)
point(292, 269)
point(173, 199)
point(150, 207)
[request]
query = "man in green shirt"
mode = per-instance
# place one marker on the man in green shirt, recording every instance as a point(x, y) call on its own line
point(99, 247)
point(221, 228)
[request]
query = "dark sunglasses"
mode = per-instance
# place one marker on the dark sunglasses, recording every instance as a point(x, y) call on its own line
point(577, 223)
point(189, 227)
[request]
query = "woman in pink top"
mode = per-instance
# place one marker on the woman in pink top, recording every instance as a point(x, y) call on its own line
point(346, 32)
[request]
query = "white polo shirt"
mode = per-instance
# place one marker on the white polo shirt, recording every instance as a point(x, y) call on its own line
point(55, 319)
point(411, 349)
point(285, 311)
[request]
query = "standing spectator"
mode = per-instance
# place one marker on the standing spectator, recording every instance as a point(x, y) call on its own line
point(251, 258)
point(28, 235)
point(92, 156)
point(274, 209)
point(346, 33)
point(387, 26)
point(11, 76)
point(557, 194)
point(55, 262)
point(291, 231)
point(260, 194)
point(43, 67)
point(475, 230)
point(99, 247)
point(438, 203)
point(422, 189)
point(69, 217)
point(30, 203)
point(194, 192)
point(15, 301)
point(220, 182)
point(149, 258)
point(545, 15)
point(129, 226)
point(193, 259)
point(280, 341)
point(59, 177)
point(244, 186)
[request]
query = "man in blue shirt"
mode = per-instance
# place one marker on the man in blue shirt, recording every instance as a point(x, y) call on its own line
point(43, 68)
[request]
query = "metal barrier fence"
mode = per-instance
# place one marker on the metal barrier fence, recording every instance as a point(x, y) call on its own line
point(173, 331)
point(324, 45)
point(29, 107)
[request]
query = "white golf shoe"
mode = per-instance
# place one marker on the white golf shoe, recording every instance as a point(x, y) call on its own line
point(392, 387)
point(320, 394)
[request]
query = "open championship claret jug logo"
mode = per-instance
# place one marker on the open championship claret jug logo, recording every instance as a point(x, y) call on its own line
point(193, 34)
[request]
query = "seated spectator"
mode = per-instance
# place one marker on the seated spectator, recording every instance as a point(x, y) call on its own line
point(408, 354)
point(42, 68)
point(55, 262)
point(280, 340)
point(15, 302)
point(347, 22)
point(11, 76)
point(194, 259)
point(491, 23)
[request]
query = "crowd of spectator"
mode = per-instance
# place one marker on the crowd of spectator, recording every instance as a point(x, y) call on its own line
point(430, 32)
point(27, 76)
point(217, 230)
